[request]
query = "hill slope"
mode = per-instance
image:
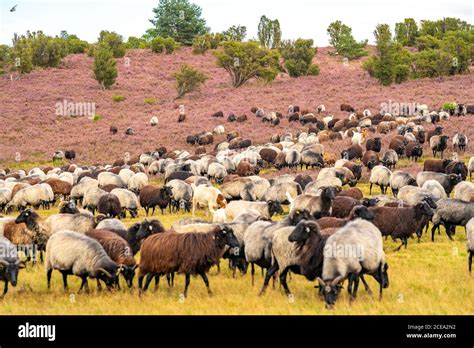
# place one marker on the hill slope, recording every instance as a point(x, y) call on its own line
point(30, 126)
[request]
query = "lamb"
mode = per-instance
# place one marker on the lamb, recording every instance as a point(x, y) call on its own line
point(109, 205)
point(439, 143)
point(210, 196)
point(464, 191)
point(74, 253)
point(317, 205)
point(470, 241)
point(91, 199)
point(119, 251)
point(451, 213)
point(128, 201)
point(280, 192)
point(399, 179)
point(10, 264)
point(447, 181)
point(359, 211)
point(150, 197)
point(435, 188)
point(460, 142)
point(390, 159)
point(188, 253)
point(380, 176)
point(266, 209)
point(401, 222)
point(356, 235)
point(137, 182)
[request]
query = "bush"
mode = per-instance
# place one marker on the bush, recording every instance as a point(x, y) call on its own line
point(160, 45)
point(114, 41)
point(104, 67)
point(21, 55)
point(206, 42)
point(401, 73)
point(96, 118)
point(118, 98)
point(188, 80)
point(313, 70)
point(298, 57)
point(432, 63)
point(246, 60)
point(450, 106)
point(150, 101)
point(135, 42)
point(406, 32)
point(343, 42)
point(4, 55)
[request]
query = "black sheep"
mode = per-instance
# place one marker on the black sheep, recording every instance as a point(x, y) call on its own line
point(109, 205)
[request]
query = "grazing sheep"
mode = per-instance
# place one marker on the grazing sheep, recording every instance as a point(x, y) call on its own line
point(380, 176)
point(371, 159)
point(354, 152)
point(317, 205)
point(390, 159)
point(61, 189)
point(359, 211)
point(255, 189)
point(109, 205)
point(414, 151)
point(398, 145)
point(181, 195)
point(321, 108)
point(9, 264)
point(217, 171)
point(457, 167)
point(464, 191)
point(137, 182)
point(282, 191)
point(343, 205)
point(107, 178)
point(353, 192)
point(74, 253)
point(219, 129)
point(150, 197)
point(451, 213)
point(355, 236)
point(435, 165)
point(439, 143)
point(119, 251)
point(448, 181)
point(399, 179)
point(303, 180)
point(5, 197)
point(34, 196)
point(129, 131)
point(154, 121)
point(68, 207)
point(181, 118)
point(460, 142)
point(78, 190)
point(128, 201)
point(91, 199)
point(311, 159)
point(347, 107)
point(207, 196)
point(188, 253)
point(435, 188)
point(266, 209)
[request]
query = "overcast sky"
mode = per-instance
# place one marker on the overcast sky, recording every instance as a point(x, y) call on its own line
point(298, 18)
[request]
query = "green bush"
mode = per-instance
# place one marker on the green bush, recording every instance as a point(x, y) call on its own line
point(432, 63)
point(118, 98)
point(104, 67)
point(160, 45)
point(21, 55)
point(401, 73)
point(4, 54)
point(450, 106)
point(313, 70)
point(150, 100)
point(188, 80)
point(114, 41)
point(135, 42)
point(206, 42)
point(298, 57)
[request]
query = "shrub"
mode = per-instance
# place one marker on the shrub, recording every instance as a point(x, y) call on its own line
point(118, 98)
point(450, 106)
point(298, 57)
point(206, 42)
point(114, 41)
point(246, 60)
point(96, 118)
point(104, 67)
point(188, 80)
point(150, 101)
point(313, 70)
point(160, 45)
point(21, 55)
point(406, 32)
point(432, 63)
point(135, 42)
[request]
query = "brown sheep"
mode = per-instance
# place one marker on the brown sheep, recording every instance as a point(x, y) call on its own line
point(268, 155)
point(354, 152)
point(242, 118)
point(370, 159)
point(359, 211)
point(436, 165)
point(60, 188)
point(342, 205)
point(232, 135)
point(347, 107)
point(246, 169)
point(181, 118)
point(398, 146)
point(355, 168)
point(353, 192)
point(109, 188)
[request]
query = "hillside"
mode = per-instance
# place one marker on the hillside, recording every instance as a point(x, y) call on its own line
point(30, 126)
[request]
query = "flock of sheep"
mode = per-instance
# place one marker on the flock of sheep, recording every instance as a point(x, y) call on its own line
point(331, 233)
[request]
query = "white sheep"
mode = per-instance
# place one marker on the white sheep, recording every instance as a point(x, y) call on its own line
point(380, 175)
point(154, 121)
point(137, 182)
point(435, 188)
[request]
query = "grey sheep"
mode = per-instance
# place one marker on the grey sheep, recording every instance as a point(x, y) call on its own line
point(90, 201)
point(78, 190)
point(448, 181)
point(310, 158)
point(255, 189)
point(182, 195)
point(362, 253)
point(435, 188)
point(318, 205)
point(412, 195)
point(111, 225)
point(217, 171)
point(137, 182)
point(266, 209)
point(313, 187)
point(9, 264)
point(280, 192)
point(399, 179)
point(107, 178)
point(451, 213)
point(380, 176)
point(128, 201)
point(74, 253)
point(390, 158)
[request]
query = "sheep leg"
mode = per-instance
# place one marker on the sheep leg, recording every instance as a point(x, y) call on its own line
point(252, 272)
point(48, 277)
point(399, 247)
point(405, 241)
point(471, 253)
point(355, 286)
point(170, 279)
point(148, 279)
point(270, 272)
point(157, 281)
point(433, 232)
point(283, 282)
point(206, 281)
point(5, 289)
point(367, 289)
point(84, 284)
point(370, 189)
point(65, 280)
point(186, 284)
point(99, 285)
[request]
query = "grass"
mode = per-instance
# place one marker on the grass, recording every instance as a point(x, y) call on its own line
point(150, 101)
point(426, 278)
point(118, 98)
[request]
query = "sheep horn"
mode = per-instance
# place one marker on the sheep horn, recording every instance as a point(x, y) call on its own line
point(337, 280)
point(4, 262)
point(105, 272)
point(320, 281)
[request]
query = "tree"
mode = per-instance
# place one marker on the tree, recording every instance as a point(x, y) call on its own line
point(235, 33)
point(114, 41)
point(432, 63)
point(104, 67)
point(178, 19)
point(269, 32)
point(299, 57)
point(340, 37)
point(246, 60)
point(460, 50)
point(21, 55)
point(406, 32)
point(188, 80)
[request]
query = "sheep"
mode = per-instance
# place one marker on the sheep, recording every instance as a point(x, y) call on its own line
point(137, 182)
point(210, 196)
point(5, 197)
point(181, 195)
point(10, 264)
point(354, 152)
point(435, 188)
point(464, 191)
point(451, 213)
point(353, 192)
point(61, 189)
point(390, 159)
point(181, 175)
point(401, 222)
point(436, 131)
point(281, 191)
point(181, 118)
point(154, 121)
point(380, 176)
point(414, 150)
point(68, 207)
point(255, 189)
point(457, 167)
point(303, 180)
point(128, 201)
point(460, 142)
point(439, 143)
point(321, 108)
point(78, 190)
point(118, 250)
point(58, 156)
point(311, 159)
point(343, 205)
point(359, 211)
point(355, 236)
point(470, 242)
point(317, 205)
point(447, 181)
point(35, 196)
point(109, 205)
point(470, 167)
point(266, 209)
point(399, 179)
point(188, 253)
point(151, 196)
point(219, 129)
point(74, 253)
point(370, 159)
point(91, 199)
point(217, 171)
point(398, 145)
point(244, 168)
point(313, 187)
point(113, 130)
point(129, 131)
point(347, 107)
point(107, 178)
point(435, 165)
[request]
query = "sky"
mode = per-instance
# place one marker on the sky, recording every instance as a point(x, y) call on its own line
point(298, 18)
